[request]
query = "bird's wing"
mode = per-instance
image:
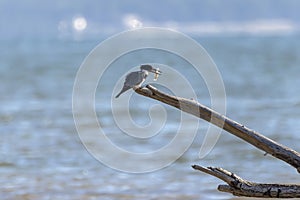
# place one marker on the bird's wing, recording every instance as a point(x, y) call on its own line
point(134, 78)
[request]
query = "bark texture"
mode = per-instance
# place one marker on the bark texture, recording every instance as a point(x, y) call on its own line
point(236, 185)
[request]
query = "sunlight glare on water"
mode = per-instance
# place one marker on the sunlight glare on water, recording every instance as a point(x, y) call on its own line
point(131, 21)
point(79, 23)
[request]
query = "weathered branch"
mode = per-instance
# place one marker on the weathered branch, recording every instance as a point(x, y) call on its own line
point(236, 185)
point(271, 147)
point(239, 187)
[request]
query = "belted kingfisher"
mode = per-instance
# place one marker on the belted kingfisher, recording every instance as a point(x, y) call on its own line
point(135, 79)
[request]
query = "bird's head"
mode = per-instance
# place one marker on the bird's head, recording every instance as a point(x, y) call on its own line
point(150, 69)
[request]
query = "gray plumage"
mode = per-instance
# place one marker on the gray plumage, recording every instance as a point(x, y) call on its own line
point(136, 79)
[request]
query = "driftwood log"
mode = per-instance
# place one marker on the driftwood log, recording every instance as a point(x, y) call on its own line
point(240, 187)
point(236, 185)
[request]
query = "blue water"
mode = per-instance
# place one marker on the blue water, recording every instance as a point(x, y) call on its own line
point(42, 157)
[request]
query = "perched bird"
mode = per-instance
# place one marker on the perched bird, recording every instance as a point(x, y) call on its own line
point(135, 79)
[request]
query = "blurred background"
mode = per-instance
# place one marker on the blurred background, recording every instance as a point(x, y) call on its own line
point(255, 44)
point(54, 19)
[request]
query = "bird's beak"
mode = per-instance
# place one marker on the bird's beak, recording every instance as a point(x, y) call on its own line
point(156, 71)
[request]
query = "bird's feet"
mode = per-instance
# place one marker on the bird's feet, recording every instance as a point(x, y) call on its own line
point(144, 90)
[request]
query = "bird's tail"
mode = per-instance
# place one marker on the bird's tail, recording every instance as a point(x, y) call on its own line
point(118, 95)
point(124, 89)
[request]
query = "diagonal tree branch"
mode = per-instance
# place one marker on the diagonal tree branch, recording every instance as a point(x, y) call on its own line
point(236, 185)
point(271, 147)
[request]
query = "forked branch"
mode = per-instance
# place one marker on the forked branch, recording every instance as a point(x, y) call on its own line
point(236, 185)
